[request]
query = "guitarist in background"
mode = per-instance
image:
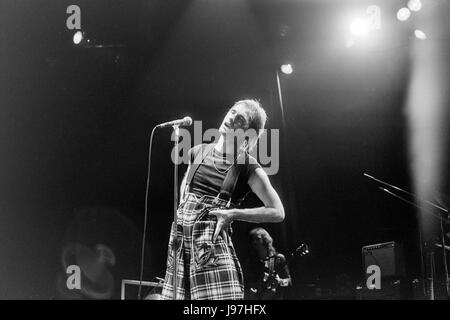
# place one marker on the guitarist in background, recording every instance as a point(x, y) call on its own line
point(268, 272)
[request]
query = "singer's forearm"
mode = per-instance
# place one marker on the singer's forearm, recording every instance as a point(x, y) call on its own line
point(258, 215)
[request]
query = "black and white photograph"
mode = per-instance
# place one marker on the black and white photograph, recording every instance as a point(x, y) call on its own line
point(241, 152)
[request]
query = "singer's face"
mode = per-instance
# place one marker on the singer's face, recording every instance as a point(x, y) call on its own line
point(236, 118)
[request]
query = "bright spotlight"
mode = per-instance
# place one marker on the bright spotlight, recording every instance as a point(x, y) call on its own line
point(77, 37)
point(350, 43)
point(287, 68)
point(403, 14)
point(359, 27)
point(414, 5)
point(420, 34)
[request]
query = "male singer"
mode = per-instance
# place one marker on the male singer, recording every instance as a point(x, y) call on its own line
point(218, 178)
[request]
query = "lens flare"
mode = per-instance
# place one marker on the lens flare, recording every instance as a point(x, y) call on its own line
point(403, 14)
point(414, 5)
point(420, 34)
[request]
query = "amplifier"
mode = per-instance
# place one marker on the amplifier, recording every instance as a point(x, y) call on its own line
point(388, 256)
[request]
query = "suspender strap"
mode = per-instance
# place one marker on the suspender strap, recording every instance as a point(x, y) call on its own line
point(230, 181)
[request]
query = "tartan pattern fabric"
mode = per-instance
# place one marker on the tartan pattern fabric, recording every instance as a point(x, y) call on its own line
point(205, 271)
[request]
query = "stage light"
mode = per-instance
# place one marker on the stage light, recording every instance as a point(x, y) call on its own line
point(403, 14)
point(414, 5)
point(420, 34)
point(350, 43)
point(359, 27)
point(287, 68)
point(77, 37)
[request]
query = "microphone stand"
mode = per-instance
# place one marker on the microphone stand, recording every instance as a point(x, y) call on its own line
point(443, 217)
point(176, 131)
point(175, 242)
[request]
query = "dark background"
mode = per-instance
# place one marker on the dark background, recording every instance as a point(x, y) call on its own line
point(75, 124)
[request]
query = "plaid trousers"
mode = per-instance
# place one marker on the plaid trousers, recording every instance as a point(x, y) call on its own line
point(205, 270)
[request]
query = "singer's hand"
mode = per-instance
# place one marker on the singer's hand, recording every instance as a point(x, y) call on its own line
point(224, 218)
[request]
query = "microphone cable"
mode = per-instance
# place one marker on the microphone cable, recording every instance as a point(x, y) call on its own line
point(146, 211)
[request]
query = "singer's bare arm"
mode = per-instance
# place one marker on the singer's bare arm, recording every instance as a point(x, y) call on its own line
point(272, 211)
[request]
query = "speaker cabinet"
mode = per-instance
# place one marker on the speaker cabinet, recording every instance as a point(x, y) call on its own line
point(388, 256)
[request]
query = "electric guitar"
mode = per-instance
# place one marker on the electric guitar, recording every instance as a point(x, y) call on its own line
point(269, 282)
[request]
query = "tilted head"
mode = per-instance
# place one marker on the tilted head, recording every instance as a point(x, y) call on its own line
point(247, 117)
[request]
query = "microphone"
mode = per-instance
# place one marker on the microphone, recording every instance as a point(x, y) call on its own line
point(186, 121)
